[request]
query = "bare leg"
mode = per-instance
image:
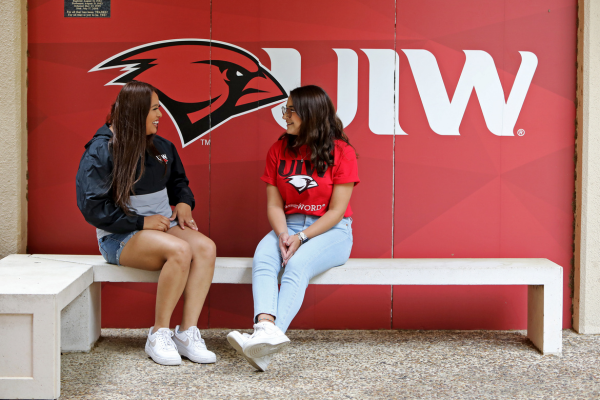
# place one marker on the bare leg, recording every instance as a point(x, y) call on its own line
point(202, 268)
point(154, 250)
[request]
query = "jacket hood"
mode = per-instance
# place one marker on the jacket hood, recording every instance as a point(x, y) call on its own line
point(103, 133)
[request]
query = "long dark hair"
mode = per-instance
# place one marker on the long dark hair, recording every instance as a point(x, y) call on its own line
point(129, 142)
point(320, 126)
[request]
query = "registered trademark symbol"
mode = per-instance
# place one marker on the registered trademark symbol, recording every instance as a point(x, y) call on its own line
point(521, 132)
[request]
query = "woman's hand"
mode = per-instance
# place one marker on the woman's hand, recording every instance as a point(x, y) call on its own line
point(292, 243)
point(283, 248)
point(157, 222)
point(183, 213)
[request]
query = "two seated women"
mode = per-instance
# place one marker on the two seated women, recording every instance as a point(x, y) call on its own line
point(129, 177)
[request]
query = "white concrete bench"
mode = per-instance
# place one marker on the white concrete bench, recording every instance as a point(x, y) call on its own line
point(32, 294)
point(40, 293)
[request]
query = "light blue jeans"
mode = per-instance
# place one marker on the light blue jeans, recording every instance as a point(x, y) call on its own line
point(323, 252)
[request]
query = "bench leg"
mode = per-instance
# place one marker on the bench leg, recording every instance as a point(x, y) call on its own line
point(80, 321)
point(544, 317)
point(30, 347)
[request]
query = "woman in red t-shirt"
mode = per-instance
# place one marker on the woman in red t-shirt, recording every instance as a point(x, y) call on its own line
point(310, 174)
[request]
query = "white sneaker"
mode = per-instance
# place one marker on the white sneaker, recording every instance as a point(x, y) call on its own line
point(237, 341)
point(191, 345)
point(266, 339)
point(160, 347)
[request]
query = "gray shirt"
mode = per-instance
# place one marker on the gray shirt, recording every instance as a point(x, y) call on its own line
point(147, 205)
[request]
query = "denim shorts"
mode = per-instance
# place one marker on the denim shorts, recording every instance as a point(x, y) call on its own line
point(112, 245)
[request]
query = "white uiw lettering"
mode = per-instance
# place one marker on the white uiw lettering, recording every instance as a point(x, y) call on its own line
point(479, 73)
point(444, 116)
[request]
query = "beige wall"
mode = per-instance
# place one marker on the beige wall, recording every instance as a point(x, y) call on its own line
point(13, 106)
point(13, 163)
point(586, 300)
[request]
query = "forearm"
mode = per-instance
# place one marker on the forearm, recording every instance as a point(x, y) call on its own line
point(277, 219)
point(107, 216)
point(330, 219)
point(337, 208)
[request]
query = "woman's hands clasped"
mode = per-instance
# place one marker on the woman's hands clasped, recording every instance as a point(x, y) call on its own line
point(288, 245)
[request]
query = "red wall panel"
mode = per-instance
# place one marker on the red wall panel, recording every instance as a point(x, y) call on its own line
point(459, 307)
point(324, 307)
point(422, 194)
point(478, 194)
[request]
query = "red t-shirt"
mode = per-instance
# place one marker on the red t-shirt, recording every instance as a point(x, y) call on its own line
point(302, 189)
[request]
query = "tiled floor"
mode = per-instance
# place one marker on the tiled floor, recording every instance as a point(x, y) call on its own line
point(344, 365)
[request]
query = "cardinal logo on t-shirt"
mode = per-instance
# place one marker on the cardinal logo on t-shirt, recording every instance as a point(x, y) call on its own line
point(302, 182)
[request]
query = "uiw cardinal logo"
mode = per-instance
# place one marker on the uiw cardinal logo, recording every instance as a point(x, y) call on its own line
point(201, 83)
point(301, 182)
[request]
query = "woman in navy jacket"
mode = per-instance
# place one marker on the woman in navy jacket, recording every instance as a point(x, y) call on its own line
point(127, 181)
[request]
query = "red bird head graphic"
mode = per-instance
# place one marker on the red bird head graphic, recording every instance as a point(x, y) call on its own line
point(201, 83)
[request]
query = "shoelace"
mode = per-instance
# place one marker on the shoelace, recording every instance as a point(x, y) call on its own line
point(196, 338)
point(198, 341)
point(258, 329)
point(165, 338)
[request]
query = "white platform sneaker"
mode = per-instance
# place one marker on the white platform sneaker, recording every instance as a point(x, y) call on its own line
point(237, 341)
point(266, 339)
point(191, 345)
point(160, 347)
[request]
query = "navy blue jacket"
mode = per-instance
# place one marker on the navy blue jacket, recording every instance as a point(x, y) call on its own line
point(94, 197)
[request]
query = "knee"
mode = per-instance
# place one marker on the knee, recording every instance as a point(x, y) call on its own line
point(294, 273)
point(205, 249)
point(180, 254)
point(265, 264)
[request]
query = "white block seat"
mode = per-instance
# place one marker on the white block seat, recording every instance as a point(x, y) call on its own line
point(81, 319)
point(33, 292)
